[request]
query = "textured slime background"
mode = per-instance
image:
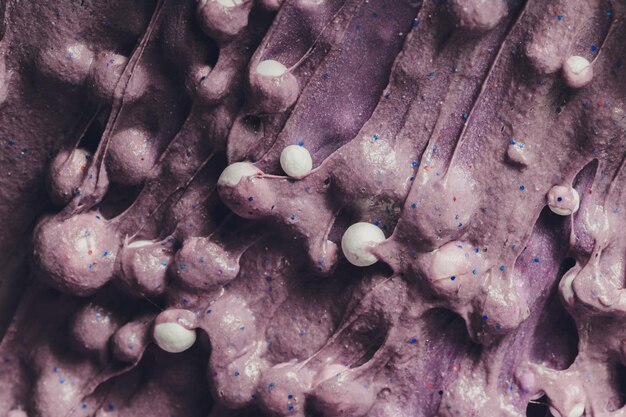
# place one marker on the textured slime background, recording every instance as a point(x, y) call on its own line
point(449, 124)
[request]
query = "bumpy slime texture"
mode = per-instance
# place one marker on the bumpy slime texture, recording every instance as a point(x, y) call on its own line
point(483, 142)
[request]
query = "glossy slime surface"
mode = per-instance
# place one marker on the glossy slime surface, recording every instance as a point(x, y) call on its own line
point(166, 265)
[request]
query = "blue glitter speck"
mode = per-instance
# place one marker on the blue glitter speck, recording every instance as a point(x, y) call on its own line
point(301, 143)
point(485, 318)
point(536, 260)
point(415, 164)
point(559, 17)
point(413, 341)
point(501, 267)
point(594, 48)
point(413, 205)
point(522, 188)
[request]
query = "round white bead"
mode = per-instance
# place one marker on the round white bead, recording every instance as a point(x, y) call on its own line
point(577, 71)
point(563, 201)
point(296, 161)
point(357, 240)
point(577, 410)
point(229, 3)
point(173, 338)
point(270, 68)
point(235, 172)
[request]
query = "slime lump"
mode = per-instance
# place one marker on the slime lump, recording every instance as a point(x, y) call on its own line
point(312, 208)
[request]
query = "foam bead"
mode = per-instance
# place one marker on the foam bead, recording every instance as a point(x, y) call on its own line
point(563, 200)
point(577, 71)
point(173, 337)
point(273, 89)
point(223, 19)
point(357, 240)
point(233, 173)
point(296, 161)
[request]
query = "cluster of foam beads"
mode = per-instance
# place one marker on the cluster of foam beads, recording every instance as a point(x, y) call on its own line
point(335, 208)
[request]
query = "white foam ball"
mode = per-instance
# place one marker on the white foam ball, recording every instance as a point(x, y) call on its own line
point(235, 172)
point(173, 338)
point(230, 3)
point(577, 71)
point(357, 240)
point(296, 161)
point(577, 410)
point(563, 200)
point(270, 68)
